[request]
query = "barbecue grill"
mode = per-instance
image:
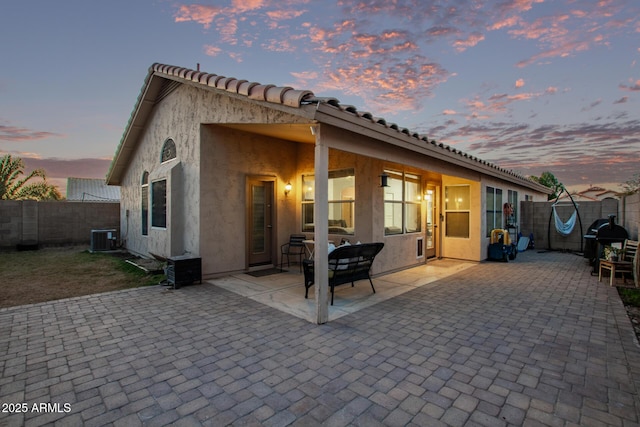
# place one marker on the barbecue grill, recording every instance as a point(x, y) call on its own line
point(606, 235)
point(590, 242)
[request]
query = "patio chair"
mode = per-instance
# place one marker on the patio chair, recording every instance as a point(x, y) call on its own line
point(628, 264)
point(294, 248)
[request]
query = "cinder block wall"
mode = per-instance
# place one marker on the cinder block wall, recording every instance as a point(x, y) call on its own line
point(537, 218)
point(55, 223)
point(631, 216)
point(10, 222)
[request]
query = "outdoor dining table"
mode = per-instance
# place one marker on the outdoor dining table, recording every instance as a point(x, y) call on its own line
point(310, 245)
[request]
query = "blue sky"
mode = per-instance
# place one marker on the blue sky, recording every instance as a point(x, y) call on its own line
point(531, 85)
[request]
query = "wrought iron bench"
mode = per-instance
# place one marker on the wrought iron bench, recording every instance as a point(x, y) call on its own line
point(347, 264)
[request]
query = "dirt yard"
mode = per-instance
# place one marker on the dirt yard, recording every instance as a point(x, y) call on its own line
point(54, 273)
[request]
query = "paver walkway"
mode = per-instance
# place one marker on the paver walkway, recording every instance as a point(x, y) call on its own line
point(537, 341)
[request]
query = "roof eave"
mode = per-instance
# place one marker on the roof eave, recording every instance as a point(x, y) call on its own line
point(372, 127)
point(141, 111)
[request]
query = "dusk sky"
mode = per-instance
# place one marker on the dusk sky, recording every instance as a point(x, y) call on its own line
point(530, 85)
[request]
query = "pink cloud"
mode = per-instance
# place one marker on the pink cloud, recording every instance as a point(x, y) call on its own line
point(464, 44)
point(17, 134)
point(571, 32)
point(280, 15)
point(497, 103)
point(519, 83)
point(607, 148)
point(197, 13)
point(561, 51)
point(245, 5)
point(385, 85)
point(633, 87)
point(212, 50)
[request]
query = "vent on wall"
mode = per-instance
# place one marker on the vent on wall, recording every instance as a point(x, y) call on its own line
point(103, 240)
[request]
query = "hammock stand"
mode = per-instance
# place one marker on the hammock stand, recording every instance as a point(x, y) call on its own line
point(564, 229)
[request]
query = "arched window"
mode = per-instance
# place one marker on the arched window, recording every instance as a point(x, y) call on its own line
point(168, 150)
point(144, 192)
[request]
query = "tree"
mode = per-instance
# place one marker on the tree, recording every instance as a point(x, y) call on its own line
point(632, 184)
point(13, 187)
point(549, 180)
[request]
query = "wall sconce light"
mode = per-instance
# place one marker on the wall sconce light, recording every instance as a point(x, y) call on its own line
point(287, 188)
point(384, 178)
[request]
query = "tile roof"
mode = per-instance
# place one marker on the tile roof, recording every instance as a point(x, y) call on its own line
point(287, 96)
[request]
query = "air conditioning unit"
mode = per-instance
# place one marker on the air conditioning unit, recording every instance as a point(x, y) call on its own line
point(103, 240)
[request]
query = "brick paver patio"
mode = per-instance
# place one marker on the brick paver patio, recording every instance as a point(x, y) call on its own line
point(537, 341)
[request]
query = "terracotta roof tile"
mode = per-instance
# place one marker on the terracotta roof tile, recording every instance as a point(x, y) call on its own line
point(296, 98)
point(259, 92)
point(293, 97)
point(245, 87)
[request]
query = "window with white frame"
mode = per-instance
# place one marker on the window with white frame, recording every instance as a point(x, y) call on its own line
point(168, 150)
point(402, 203)
point(457, 206)
point(494, 209)
point(341, 191)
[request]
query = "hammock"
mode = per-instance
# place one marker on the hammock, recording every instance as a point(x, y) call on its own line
point(564, 228)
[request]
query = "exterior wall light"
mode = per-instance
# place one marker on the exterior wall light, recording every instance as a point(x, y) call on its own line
point(287, 188)
point(384, 180)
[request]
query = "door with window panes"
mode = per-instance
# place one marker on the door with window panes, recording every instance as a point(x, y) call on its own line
point(260, 214)
point(432, 220)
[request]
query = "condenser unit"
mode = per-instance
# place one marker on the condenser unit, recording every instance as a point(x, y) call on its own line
point(103, 240)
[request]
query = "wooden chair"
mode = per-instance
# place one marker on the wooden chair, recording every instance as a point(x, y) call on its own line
point(294, 248)
point(627, 264)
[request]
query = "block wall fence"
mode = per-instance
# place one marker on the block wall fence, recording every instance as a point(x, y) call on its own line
point(536, 218)
point(70, 223)
point(54, 223)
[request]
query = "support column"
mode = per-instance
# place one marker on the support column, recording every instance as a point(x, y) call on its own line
point(321, 226)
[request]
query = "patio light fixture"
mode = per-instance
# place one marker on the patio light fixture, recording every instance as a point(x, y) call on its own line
point(287, 188)
point(384, 180)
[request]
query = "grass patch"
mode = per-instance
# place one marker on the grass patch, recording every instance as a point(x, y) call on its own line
point(630, 296)
point(56, 273)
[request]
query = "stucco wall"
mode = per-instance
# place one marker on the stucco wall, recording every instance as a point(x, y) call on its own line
point(522, 220)
point(181, 115)
point(228, 157)
point(631, 214)
point(208, 197)
point(168, 120)
point(457, 247)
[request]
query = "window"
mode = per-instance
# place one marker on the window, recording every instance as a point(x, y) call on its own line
point(402, 203)
point(341, 188)
point(494, 209)
point(159, 204)
point(168, 150)
point(512, 198)
point(144, 190)
point(457, 205)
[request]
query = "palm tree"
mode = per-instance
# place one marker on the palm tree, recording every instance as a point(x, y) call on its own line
point(14, 188)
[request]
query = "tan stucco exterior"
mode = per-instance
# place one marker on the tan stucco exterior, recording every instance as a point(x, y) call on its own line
point(224, 138)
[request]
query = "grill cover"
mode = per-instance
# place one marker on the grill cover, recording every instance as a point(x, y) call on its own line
point(590, 242)
point(606, 235)
point(611, 232)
